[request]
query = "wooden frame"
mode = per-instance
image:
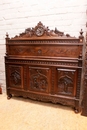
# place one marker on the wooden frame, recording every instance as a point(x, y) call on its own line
point(45, 65)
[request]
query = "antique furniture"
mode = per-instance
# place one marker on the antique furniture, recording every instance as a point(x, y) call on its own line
point(84, 101)
point(45, 65)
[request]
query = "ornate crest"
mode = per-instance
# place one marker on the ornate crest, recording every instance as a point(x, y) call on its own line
point(39, 31)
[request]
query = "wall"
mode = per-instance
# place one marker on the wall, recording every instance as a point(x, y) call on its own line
point(68, 16)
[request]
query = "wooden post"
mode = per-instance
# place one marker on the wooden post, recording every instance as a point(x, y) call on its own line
point(84, 101)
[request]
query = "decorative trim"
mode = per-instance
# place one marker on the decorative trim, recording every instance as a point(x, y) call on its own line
point(40, 31)
point(25, 77)
point(38, 97)
point(38, 62)
point(53, 41)
point(78, 84)
point(53, 80)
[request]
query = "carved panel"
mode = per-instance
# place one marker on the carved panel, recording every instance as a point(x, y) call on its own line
point(66, 81)
point(40, 30)
point(47, 51)
point(15, 76)
point(39, 79)
point(32, 59)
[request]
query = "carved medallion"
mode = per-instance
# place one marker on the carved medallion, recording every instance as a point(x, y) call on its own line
point(39, 31)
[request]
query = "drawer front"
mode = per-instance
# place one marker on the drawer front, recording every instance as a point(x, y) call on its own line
point(44, 51)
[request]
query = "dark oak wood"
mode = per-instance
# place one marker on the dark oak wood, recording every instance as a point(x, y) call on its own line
point(84, 101)
point(0, 90)
point(45, 65)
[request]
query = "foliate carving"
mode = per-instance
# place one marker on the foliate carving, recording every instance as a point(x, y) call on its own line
point(66, 81)
point(15, 76)
point(41, 97)
point(41, 30)
point(60, 51)
point(38, 79)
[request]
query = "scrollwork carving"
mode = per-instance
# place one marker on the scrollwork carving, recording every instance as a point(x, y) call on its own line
point(65, 82)
point(15, 77)
point(38, 80)
point(41, 30)
point(66, 79)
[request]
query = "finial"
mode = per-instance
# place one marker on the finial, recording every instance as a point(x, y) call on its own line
point(7, 35)
point(81, 36)
point(81, 32)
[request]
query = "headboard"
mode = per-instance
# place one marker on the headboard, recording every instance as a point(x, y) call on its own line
point(64, 45)
point(45, 65)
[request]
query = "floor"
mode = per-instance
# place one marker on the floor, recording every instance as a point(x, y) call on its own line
point(25, 114)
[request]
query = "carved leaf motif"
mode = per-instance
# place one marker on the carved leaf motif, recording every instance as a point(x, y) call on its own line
point(40, 30)
point(65, 82)
point(38, 81)
point(15, 78)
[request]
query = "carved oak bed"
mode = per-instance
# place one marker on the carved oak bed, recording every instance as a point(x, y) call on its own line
point(45, 65)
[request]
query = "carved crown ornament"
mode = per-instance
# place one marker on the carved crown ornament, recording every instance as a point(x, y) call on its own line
point(41, 31)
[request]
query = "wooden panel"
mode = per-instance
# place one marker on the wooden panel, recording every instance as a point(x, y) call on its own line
point(39, 79)
point(46, 50)
point(15, 74)
point(44, 65)
point(66, 81)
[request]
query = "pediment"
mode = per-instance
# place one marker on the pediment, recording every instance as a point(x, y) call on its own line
point(42, 32)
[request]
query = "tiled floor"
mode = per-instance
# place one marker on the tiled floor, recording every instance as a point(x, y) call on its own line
point(24, 114)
